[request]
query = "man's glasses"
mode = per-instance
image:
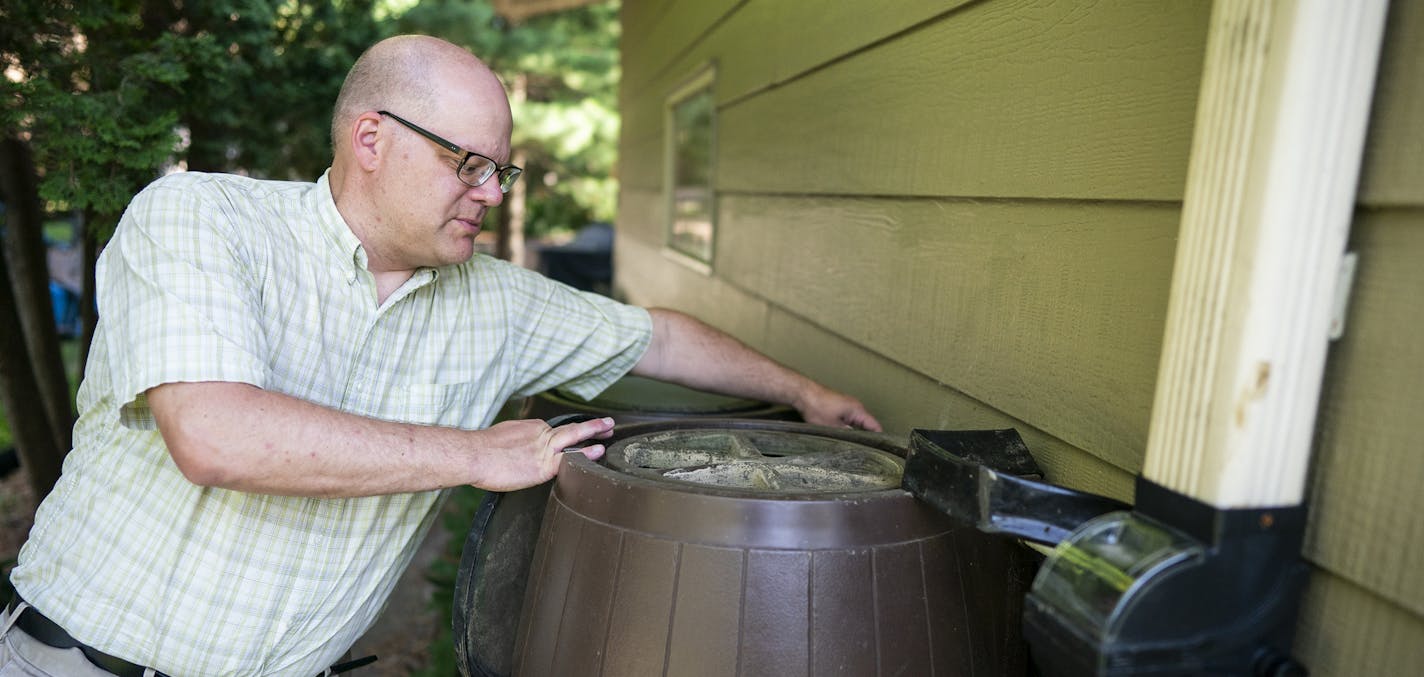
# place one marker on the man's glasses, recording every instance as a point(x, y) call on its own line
point(475, 169)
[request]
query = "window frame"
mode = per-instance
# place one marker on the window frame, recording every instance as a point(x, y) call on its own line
point(703, 81)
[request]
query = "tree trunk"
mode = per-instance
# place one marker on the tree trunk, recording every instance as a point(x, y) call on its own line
point(29, 424)
point(28, 277)
point(509, 219)
point(203, 155)
point(515, 208)
point(515, 201)
point(501, 231)
point(89, 299)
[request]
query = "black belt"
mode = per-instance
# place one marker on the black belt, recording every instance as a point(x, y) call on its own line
point(47, 632)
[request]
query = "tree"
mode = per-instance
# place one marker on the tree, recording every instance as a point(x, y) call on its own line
point(107, 94)
point(41, 425)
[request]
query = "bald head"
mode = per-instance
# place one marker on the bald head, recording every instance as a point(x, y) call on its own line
point(411, 74)
point(396, 180)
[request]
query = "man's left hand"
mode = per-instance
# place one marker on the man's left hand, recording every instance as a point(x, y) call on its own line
point(824, 406)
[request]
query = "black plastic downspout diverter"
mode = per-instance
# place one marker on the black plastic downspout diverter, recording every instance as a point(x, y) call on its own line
point(1172, 586)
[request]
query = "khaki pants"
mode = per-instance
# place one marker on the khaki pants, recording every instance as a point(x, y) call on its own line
point(24, 656)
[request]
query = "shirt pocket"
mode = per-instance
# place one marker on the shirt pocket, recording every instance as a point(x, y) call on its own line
point(458, 405)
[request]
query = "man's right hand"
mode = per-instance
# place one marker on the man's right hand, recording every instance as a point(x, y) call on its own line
point(527, 452)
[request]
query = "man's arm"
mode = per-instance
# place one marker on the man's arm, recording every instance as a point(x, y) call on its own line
point(237, 436)
point(688, 352)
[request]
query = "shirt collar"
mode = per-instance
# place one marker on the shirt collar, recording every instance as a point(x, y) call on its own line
point(333, 227)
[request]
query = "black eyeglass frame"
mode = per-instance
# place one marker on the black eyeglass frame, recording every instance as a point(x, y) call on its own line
point(507, 173)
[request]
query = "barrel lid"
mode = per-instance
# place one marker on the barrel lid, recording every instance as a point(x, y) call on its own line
point(762, 462)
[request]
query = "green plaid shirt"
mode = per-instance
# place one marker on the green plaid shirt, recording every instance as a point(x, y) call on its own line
point(224, 278)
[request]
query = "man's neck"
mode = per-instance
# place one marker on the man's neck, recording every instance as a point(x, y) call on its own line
point(387, 282)
point(388, 278)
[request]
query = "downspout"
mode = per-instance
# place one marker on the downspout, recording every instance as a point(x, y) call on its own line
point(1270, 192)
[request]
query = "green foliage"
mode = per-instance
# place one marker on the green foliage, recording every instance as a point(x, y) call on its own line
point(109, 93)
point(112, 92)
point(85, 109)
point(288, 61)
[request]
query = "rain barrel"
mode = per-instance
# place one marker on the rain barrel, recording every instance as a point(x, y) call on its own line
point(739, 547)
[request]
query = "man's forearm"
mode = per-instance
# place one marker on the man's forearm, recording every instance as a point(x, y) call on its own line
point(689, 352)
point(237, 436)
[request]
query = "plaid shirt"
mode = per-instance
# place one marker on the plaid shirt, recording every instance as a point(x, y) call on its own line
point(224, 278)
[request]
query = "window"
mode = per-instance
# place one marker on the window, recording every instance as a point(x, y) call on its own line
point(690, 119)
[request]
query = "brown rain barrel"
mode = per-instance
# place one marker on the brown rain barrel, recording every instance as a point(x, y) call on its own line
point(761, 548)
point(494, 565)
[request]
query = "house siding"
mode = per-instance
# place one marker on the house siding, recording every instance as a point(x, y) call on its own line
point(966, 213)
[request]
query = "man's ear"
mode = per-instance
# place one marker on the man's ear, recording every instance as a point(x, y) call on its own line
point(366, 140)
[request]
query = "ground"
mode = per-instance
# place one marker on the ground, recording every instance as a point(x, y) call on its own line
point(401, 638)
point(17, 511)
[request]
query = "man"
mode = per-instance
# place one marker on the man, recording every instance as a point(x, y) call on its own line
point(285, 374)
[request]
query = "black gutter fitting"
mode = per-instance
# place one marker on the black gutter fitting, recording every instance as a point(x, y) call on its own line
point(1170, 587)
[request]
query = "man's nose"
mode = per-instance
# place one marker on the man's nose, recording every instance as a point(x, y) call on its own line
point(487, 193)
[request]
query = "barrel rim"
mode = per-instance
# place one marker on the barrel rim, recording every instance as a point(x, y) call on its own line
point(723, 516)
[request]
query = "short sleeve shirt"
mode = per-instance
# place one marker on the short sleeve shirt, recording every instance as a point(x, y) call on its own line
point(224, 278)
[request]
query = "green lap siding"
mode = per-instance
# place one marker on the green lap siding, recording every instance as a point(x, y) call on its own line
point(965, 213)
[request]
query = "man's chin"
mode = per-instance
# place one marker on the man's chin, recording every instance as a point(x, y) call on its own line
point(462, 251)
